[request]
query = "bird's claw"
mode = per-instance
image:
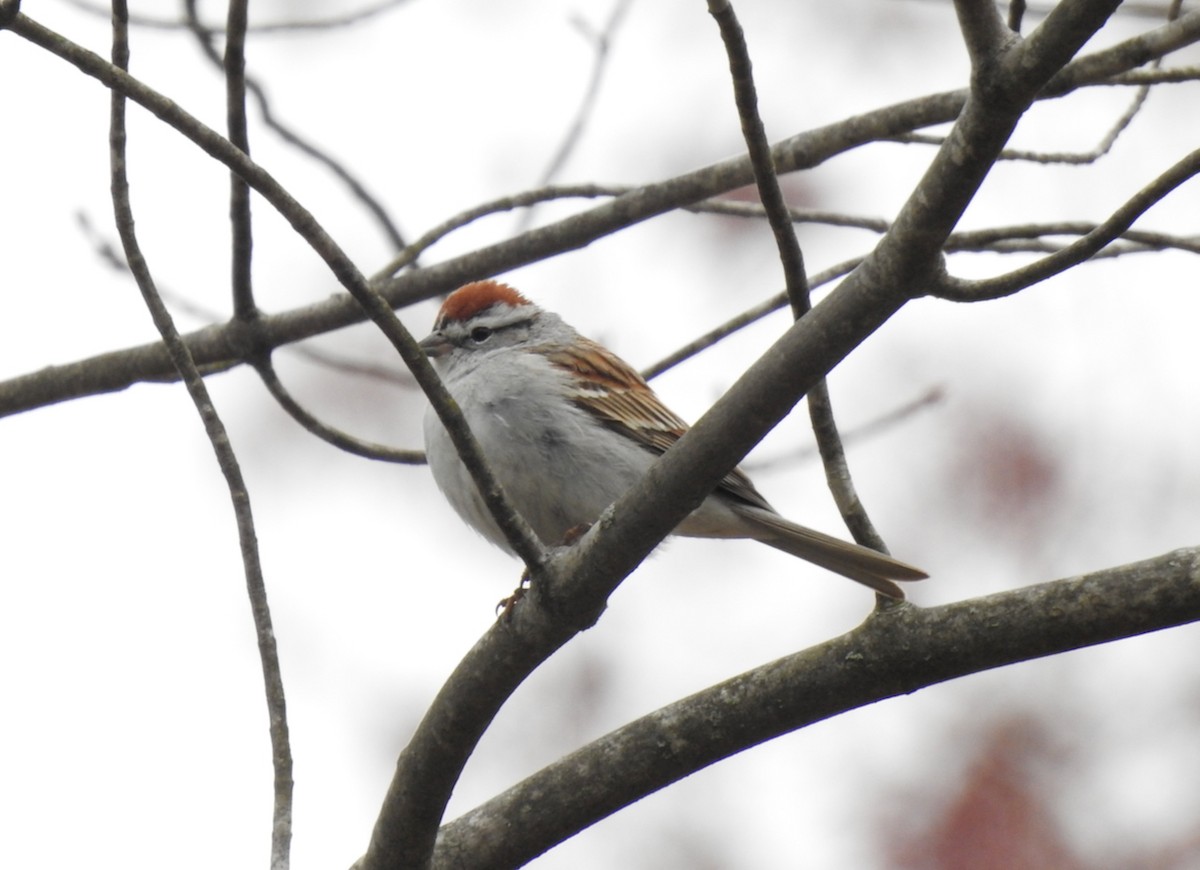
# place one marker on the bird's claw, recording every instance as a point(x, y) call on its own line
point(504, 609)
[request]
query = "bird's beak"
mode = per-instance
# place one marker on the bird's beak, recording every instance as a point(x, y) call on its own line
point(435, 345)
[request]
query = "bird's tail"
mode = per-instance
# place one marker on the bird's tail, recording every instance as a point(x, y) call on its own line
point(863, 565)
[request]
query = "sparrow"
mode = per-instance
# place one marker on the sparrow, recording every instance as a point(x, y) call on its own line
point(568, 427)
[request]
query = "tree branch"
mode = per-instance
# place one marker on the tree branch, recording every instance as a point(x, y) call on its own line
point(1021, 238)
point(251, 337)
point(204, 35)
point(327, 433)
point(820, 404)
point(984, 32)
point(895, 652)
point(242, 242)
point(281, 752)
point(333, 22)
point(959, 290)
point(601, 42)
point(758, 149)
point(219, 347)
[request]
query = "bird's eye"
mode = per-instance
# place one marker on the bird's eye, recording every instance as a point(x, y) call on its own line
point(480, 334)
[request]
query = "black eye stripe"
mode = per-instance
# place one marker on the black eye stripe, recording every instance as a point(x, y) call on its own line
point(481, 334)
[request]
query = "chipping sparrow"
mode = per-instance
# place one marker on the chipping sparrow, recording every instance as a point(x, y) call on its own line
point(568, 427)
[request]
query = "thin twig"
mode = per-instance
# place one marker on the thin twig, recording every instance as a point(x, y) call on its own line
point(1021, 238)
point(960, 290)
point(738, 208)
point(109, 255)
point(246, 311)
point(1073, 158)
point(234, 66)
point(256, 587)
point(875, 426)
point(1119, 126)
point(265, 368)
point(331, 23)
point(331, 434)
point(820, 405)
point(204, 36)
point(527, 199)
point(601, 42)
point(1170, 76)
point(741, 321)
point(758, 147)
point(988, 239)
point(1129, 8)
point(242, 243)
point(1016, 14)
point(347, 365)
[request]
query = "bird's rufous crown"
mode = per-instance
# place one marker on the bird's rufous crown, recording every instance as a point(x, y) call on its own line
point(471, 299)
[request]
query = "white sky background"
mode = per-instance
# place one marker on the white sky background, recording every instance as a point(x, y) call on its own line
point(133, 729)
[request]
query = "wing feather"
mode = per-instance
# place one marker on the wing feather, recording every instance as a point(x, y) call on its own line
point(612, 391)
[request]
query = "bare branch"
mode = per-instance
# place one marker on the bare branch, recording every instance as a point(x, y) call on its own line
point(1130, 8)
point(1173, 75)
point(886, 420)
point(1016, 14)
point(234, 65)
point(1102, 66)
point(989, 239)
point(758, 148)
point(984, 32)
point(333, 22)
point(212, 347)
point(737, 208)
point(281, 753)
point(907, 259)
point(601, 42)
point(327, 433)
point(1022, 238)
point(239, 136)
point(336, 362)
point(358, 190)
point(820, 405)
point(528, 199)
point(1120, 125)
point(960, 290)
point(895, 652)
point(1053, 43)
point(747, 317)
point(432, 762)
point(250, 335)
point(1072, 158)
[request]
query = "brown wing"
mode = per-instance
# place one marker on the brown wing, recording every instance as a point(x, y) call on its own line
point(612, 391)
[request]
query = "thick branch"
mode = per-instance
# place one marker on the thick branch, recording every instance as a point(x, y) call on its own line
point(893, 653)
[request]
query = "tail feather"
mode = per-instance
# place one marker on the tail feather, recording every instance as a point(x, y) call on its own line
point(852, 561)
